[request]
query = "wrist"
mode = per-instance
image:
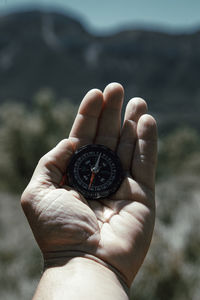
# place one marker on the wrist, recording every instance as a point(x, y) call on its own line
point(88, 271)
point(62, 258)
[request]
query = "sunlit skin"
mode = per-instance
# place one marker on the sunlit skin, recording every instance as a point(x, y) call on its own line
point(115, 232)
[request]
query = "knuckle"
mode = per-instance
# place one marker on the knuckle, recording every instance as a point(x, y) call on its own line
point(46, 160)
point(25, 198)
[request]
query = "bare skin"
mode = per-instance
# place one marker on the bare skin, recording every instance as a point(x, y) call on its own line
point(113, 233)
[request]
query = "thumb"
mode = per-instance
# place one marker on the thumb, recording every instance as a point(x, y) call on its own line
point(52, 166)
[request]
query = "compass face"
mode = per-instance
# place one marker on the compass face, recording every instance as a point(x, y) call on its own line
point(95, 171)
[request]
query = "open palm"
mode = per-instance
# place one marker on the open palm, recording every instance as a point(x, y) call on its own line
point(115, 231)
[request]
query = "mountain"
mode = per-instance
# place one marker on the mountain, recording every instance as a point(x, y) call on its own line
point(39, 49)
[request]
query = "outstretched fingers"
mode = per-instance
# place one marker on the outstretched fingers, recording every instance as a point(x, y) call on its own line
point(145, 155)
point(134, 109)
point(85, 125)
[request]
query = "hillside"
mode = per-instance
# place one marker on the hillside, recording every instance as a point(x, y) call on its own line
point(53, 50)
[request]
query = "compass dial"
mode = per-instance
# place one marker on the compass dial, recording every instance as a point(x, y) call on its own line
point(95, 171)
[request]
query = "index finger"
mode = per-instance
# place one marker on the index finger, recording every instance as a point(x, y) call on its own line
point(84, 129)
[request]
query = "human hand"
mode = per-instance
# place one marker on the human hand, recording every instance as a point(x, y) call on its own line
point(116, 231)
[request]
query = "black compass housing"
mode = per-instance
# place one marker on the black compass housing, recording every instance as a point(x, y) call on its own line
point(95, 182)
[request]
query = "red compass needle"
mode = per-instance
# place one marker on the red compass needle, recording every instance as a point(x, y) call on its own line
point(91, 179)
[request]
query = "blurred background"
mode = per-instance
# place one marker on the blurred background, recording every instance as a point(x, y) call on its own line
point(51, 53)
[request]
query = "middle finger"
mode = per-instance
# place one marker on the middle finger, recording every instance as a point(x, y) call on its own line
point(110, 120)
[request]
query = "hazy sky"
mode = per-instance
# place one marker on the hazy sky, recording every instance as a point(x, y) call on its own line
point(109, 14)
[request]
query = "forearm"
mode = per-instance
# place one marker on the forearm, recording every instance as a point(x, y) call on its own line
point(80, 278)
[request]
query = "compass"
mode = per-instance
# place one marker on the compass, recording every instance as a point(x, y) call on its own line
point(95, 171)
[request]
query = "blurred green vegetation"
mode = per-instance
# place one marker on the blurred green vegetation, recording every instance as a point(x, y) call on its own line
point(27, 133)
point(171, 270)
point(179, 152)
